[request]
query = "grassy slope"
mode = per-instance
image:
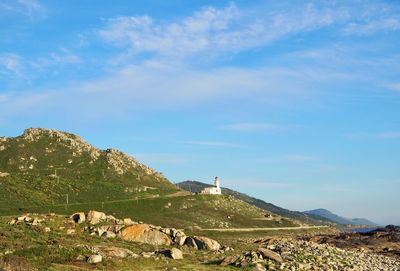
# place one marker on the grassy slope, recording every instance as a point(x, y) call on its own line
point(79, 176)
point(196, 187)
point(205, 211)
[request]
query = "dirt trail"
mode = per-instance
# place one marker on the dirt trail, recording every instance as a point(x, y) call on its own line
point(266, 229)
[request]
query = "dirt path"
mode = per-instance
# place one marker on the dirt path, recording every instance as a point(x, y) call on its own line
point(266, 229)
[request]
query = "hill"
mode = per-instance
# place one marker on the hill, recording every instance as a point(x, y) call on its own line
point(45, 170)
point(196, 187)
point(44, 166)
point(340, 220)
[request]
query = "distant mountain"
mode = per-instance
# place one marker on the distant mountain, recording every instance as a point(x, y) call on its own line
point(196, 187)
point(340, 220)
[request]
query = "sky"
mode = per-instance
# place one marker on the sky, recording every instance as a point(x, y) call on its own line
point(293, 102)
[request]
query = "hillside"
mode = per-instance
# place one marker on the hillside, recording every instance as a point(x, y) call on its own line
point(46, 170)
point(340, 220)
point(196, 187)
point(43, 167)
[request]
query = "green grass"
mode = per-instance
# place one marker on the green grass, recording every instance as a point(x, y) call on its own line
point(205, 211)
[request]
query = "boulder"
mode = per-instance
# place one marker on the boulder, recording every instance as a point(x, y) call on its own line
point(269, 254)
point(70, 231)
point(79, 217)
point(114, 252)
point(109, 234)
point(128, 222)
point(95, 259)
point(180, 240)
point(172, 253)
point(143, 233)
point(206, 243)
point(95, 217)
point(190, 242)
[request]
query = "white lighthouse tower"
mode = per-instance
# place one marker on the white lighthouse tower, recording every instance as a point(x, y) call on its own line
point(215, 190)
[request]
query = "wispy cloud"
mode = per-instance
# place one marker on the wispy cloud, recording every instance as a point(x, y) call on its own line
point(257, 127)
point(11, 64)
point(250, 127)
point(212, 143)
point(393, 86)
point(257, 183)
point(373, 26)
point(64, 57)
point(214, 31)
point(32, 8)
point(375, 135)
point(297, 158)
point(164, 158)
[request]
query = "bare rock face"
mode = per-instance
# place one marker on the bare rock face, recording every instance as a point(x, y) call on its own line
point(145, 234)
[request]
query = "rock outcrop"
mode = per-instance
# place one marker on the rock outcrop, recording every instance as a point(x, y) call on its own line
point(145, 233)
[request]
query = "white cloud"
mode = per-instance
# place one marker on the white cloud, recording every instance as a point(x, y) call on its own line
point(257, 183)
point(297, 158)
point(388, 135)
point(214, 31)
point(11, 64)
point(393, 86)
point(374, 26)
point(212, 143)
point(31, 8)
point(164, 158)
point(251, 127)
point(64, 57)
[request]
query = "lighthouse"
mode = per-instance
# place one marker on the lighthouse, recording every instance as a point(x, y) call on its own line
point(215, 190)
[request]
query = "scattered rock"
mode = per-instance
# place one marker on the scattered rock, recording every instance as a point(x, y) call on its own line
point(70, 231)
point(79, 217)
point(206, 243)
point(172, 253)
point(95, 259)
point(95, 217)
point(269, 254)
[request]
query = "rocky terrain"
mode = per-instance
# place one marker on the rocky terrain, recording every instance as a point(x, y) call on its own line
point(293, 254)
point(98, 241)
point(384, 241)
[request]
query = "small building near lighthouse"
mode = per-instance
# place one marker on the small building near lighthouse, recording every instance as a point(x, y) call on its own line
point(215, 190)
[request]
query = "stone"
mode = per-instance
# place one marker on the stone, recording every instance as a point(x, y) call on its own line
point(259, 267)
point(114, 252)
point(95, 259)
point(109, 234)
point(180, 240)
point(95, 217)
point(206, 243)
point(47, 229)
point(269, 254)
point(143, 233)
point(190, 242)
point(128, 222)
point(79, 217)
point(70, 231)
point(172, 253)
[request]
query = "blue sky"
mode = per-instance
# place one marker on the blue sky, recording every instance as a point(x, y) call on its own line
point(294, 102)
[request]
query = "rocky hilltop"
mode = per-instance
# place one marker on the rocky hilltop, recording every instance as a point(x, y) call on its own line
point(42, 166)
